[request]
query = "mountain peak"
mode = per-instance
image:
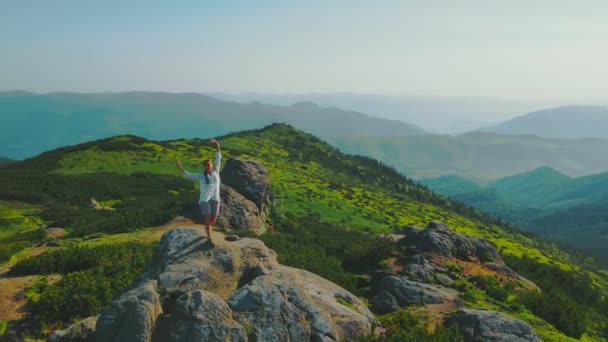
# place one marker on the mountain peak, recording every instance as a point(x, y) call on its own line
point(566, 122)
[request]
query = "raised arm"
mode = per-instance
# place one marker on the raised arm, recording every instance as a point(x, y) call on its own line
point(218, 155)
point(186, 173)
point(217, 144)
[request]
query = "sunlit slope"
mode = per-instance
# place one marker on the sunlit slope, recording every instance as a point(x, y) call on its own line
point(308, 177)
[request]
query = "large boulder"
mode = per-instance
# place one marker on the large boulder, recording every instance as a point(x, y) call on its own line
point(438, 238)
point(439, 255)
point(238, 213)
point(251, 179)
point(131, 317)
point(393, 293)
point(203, 316)
point(486, 325)
point(194, 290)
point(296, 305)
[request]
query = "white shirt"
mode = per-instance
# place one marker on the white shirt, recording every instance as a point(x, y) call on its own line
point(209, 191)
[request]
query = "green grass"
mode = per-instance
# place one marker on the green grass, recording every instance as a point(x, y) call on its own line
point(308, 179)
point(302, 186)
point(18, 216)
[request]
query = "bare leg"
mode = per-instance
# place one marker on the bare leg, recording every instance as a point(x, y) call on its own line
point(213, 220)
point(208, 225)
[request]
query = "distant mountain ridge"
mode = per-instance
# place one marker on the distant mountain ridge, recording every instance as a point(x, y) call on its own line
point(437, 114)
point(480, 156)
point(33, 123)
point(567, 122)
point(543, 201)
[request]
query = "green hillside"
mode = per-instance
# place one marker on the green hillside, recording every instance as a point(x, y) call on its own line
point(531, 188)
point(545, 202)
point(328, 210)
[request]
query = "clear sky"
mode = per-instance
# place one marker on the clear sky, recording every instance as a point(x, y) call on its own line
point(527, 50)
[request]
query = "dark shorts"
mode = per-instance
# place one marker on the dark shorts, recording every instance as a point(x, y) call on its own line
point(210, 208)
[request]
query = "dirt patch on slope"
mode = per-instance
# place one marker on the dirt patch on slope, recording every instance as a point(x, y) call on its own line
point(12, 295)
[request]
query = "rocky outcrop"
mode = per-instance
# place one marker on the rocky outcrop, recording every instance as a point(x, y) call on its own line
point(393, 293)
point(427, 253)
point(296, 305)
point(238, 213)
point(203, 316)
point(435, 255)
point(132, 316)
point(83, 331)
point(485, 325)
point(234, 290)
point(438, 238)
point(251, 179)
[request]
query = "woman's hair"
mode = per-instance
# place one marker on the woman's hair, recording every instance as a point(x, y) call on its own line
point(206, 175)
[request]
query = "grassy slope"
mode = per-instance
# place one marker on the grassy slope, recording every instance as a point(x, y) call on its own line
point(302, 187)
point(308, 178)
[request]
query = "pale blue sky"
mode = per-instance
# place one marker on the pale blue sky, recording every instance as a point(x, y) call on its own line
point(528, 50)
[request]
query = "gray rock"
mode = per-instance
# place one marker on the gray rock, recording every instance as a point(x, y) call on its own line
point(83, 331)
point(393, 293)
point(183, 261)
point(131, 317)
point(238, 213)
point(182, 296)
point(203, 316)
point(486, 325)
point(232, 238)
point(438, 238)
point(296, 305)
point(443, 279)
point(251, 179)
point(420, 268)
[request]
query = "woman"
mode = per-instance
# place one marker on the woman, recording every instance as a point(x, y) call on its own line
point(209, 181)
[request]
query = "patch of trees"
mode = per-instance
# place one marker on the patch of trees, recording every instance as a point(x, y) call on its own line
point(145, 199)
point(568, 299)
point(19, 241)
point(331, 251)
point(87, 287)
point(406, 326)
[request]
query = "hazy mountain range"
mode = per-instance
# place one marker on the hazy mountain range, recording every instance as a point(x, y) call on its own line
point(569, 122)
point(32, 123)
point(482, 157)
point(437, 114)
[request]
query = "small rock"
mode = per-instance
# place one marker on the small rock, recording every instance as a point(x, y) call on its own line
point(232, 238)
